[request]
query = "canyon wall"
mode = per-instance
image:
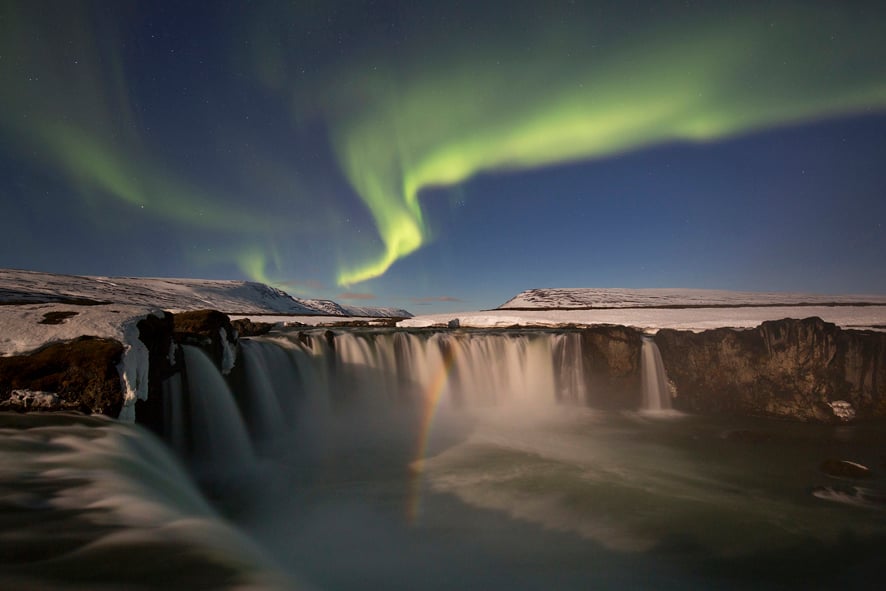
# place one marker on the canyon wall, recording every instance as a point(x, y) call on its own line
point(800, 369)
point(808, 370)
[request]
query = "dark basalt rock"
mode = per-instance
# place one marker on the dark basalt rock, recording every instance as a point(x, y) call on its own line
point(82, 374)
point(845, 469)
point(802, 369)
point(57, 317)
point(156, 333)
point(612, 362)
point(247, 328)
point(202, 328)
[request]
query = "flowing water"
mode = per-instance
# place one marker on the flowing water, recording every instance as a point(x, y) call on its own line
point(431, 460)
point(656, 394)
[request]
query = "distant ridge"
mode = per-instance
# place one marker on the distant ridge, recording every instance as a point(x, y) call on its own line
point(617, 298)
point(231, 297)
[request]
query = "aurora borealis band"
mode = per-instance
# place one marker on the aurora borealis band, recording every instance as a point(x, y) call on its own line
point(419, 152)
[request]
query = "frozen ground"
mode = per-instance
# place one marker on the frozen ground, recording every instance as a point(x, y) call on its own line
point(290, 320)
point(232, 297)
point(653, 309)
point(653, 319)
point(27, 327)
point(601, 298)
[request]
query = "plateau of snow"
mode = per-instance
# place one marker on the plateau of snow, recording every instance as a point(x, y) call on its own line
point(602, 298)
point(653, 309)
point(230, 297)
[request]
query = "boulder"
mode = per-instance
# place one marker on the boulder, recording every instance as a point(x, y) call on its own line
point(845, 469)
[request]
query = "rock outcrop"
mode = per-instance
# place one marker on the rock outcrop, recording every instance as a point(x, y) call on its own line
point(808, 369)
point(210, 330)
point(802, 369)
point(77, 375)
point(612, 360)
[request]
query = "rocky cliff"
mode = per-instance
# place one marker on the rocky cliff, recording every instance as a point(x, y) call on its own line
point(612, 362)
point(802, 369)
point(808, 369)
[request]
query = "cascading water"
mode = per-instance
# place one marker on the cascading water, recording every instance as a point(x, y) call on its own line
point(375, 503)
point(262, 368)
point(656, 394)
point(459, 368)
point(221, 443)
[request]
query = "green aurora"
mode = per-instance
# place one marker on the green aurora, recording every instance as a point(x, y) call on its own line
point(457, 93)
point(498, 108)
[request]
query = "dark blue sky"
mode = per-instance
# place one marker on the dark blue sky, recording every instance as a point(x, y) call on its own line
point(440, 156)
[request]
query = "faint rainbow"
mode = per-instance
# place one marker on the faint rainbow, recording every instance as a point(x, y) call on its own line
point(431, 397)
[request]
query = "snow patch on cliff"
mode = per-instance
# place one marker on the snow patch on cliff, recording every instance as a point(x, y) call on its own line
point(230, 297)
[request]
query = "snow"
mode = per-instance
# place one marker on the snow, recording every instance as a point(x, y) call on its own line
point(287, 320)
point(133, 369)
point(21, 331)
point(335, 309)
point(375, 312)
point(844, 411)
point(229, 352)
point(653, 319)
point(653, 309)
point(576, 298)
point(33, 399)
point(231, 297)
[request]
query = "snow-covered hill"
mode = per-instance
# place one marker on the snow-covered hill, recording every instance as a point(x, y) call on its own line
point(232, 297)
point(603, 298)
point(335, 309)
point(654, 309)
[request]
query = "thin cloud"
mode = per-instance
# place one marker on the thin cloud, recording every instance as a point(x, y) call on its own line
point(356, 296)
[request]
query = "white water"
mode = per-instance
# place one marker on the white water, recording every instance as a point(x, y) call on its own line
point(463, 369)
point(261, 366)
point(89, 503)
point(656, 394)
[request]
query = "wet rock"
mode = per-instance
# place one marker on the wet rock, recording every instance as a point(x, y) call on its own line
point(612, 362)
point(802, 369)
point(210, 330)
point(247, 328)
point(157, 335)
point(81, 374)
point(845, 469)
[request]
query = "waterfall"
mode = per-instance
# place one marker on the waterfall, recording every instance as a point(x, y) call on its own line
point(220, 441)
point(292, 381)
point(656, 394)
point(460, 368)
point(262, 367)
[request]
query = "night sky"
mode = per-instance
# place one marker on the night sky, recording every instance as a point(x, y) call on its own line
point(447, 155)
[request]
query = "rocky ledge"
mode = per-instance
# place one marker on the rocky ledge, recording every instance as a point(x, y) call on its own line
point(808, 369)
point(103, 361)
